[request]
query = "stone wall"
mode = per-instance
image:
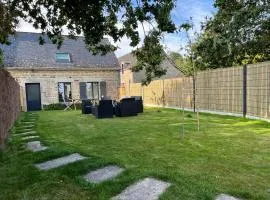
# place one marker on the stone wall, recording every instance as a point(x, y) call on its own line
point(9, 104)
point(49, 80)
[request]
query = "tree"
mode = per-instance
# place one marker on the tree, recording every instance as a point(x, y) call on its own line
point(93, 19)
point(184, 64)
point(239, 33)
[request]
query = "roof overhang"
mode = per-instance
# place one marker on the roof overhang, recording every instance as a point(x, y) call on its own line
point(62, 69)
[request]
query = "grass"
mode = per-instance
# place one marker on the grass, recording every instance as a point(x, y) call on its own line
point(229, 155)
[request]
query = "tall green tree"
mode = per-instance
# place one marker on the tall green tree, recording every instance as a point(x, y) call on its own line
point(94, 19)
point(239, 33)
point(184, 64)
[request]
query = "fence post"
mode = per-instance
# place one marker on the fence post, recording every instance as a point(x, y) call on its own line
point(268, 93)
point(244, 90)
point(194, 92)
point(163, 94)
point(142, 91)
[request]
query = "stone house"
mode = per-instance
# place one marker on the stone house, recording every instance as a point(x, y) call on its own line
point(129, 60)
point(49, 75)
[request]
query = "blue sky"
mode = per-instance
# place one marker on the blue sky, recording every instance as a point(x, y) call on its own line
point(197, 9)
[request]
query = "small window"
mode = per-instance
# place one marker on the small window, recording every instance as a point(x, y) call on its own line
point(64, 92)
point(63, 57)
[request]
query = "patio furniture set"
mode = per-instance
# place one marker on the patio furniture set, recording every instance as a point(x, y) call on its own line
point(130, 106)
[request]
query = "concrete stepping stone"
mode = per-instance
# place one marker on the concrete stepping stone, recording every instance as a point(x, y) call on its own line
point(28, 126)
point(30, 137)
point(103, 174)
point(51, 164)
point(146, 189)
point(27, 122)
point(225, 197)
point(23, 130)
point(35, 146)
point(25, 133)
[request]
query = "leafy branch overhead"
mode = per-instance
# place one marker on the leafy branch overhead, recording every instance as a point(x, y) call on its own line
point(93, 19)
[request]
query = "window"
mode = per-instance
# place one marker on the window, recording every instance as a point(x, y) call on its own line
point(63, 57)
point(64, 92)
point(92, 90)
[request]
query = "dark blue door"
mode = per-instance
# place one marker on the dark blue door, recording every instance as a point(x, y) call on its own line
point(33, 96)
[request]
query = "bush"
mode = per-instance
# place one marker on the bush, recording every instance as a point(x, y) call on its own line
point(60, 106)
point(189, 116)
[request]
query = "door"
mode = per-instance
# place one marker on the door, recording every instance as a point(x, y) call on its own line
point(33, 98)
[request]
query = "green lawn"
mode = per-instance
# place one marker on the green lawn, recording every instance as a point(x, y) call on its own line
point(229, 155)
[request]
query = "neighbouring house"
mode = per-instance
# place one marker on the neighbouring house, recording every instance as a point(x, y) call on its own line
point(129, 60)
point(49, 75)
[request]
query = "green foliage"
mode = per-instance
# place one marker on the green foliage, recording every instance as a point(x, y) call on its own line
point(93, 19)
point(239, 33)
point(54, 106)
point(189, 116)
point(8, 21)
point(184, 64)
point(59, 106)
point(149, 57)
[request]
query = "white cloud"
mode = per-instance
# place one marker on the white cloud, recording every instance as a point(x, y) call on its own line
point(26, 27)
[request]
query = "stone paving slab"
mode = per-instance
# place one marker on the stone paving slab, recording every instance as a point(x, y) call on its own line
point(225, 197)
point(30, 137)
point(27, 126)
point(146, 189)
point(103, 174)
point(28, 122)
point(51, 164)
point(25, 133)
point(23, 130)
point(35, 146)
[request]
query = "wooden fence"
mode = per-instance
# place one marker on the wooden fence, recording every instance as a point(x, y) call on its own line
point(243, 90)
point(10, 107)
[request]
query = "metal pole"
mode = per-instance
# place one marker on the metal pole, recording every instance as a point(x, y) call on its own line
point(183, 113)
point(244, 90)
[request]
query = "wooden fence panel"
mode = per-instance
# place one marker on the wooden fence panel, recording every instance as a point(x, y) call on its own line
point(219, 90)
point(258, 90)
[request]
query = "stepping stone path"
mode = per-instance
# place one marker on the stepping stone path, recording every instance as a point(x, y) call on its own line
point(28, 122)
point(23, 130)
point(225, 197)
point(27, 126)
point(30, 137)
point(147, 189)
point(60, 161)
point(35, 146)
point(103, 174)
point(25, 133)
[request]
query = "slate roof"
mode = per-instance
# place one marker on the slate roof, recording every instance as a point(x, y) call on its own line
point(26, 52)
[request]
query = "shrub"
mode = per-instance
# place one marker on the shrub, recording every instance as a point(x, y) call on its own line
point(189, 116)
